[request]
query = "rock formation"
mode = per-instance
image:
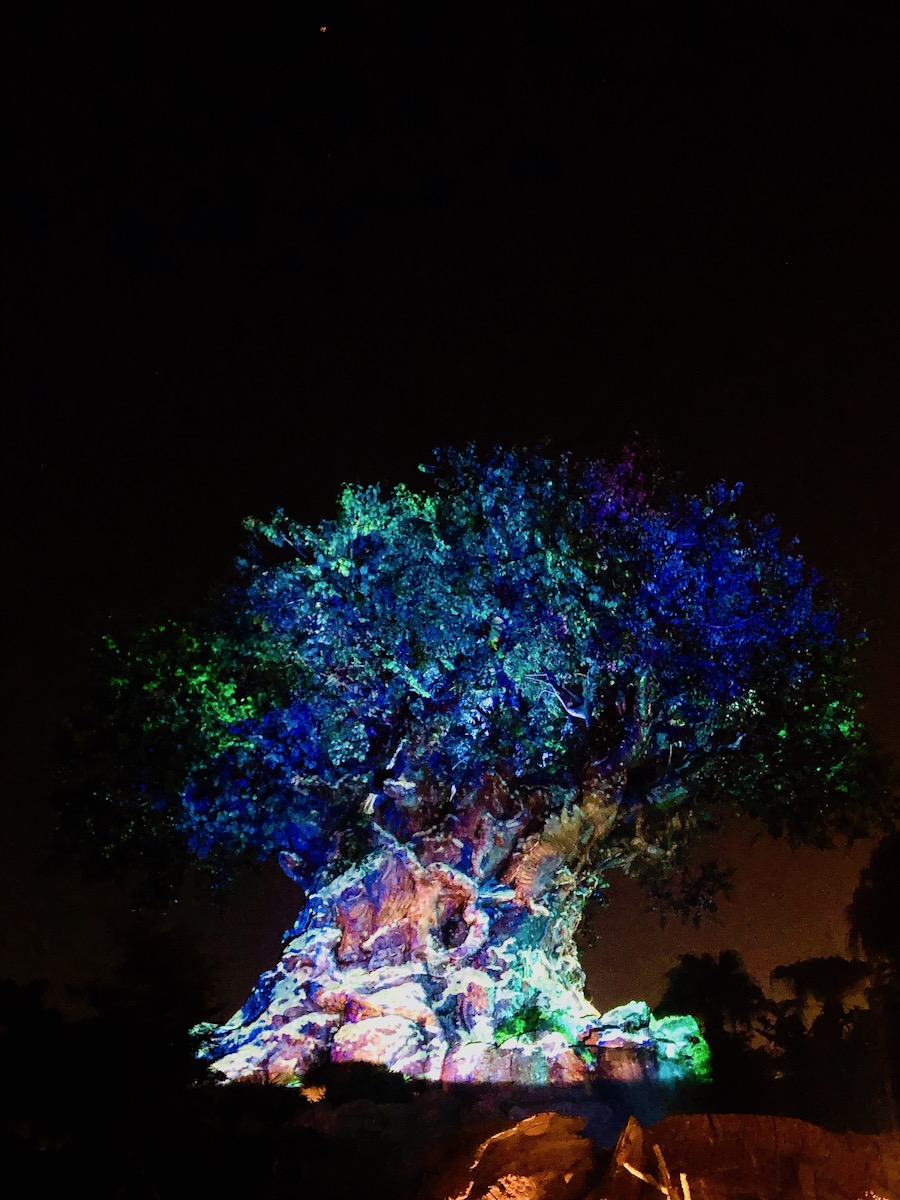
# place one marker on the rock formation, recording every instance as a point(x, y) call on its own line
point(548, 1156)
point(544, 1157)
point(411, 962)
point(735, 1156)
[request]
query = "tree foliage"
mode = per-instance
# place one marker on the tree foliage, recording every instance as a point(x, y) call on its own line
point(718, 991)
point(563, 628)
point(876, 902)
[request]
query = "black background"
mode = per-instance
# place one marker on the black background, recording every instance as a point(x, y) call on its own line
point(247, 261)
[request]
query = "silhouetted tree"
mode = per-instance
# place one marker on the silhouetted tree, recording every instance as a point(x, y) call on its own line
point(826, 1073)
point(874, 928)
point(718, 991)
point(875, 931)
point(733, 1011)
point(827, 980)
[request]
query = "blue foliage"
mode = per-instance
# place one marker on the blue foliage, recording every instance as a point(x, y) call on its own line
point(538, 619)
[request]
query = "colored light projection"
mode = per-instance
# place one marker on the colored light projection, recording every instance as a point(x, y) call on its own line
point(451, 713)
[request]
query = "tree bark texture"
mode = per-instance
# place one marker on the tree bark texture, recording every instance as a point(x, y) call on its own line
point(450, 956)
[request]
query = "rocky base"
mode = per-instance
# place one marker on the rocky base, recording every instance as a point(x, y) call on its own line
point(420, 968)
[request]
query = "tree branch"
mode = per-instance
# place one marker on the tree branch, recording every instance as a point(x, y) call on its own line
point(557, 690)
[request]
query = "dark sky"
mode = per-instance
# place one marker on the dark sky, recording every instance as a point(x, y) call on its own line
point(247, 263)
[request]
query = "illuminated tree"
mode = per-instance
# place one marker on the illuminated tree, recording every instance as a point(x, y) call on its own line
point(451, 713)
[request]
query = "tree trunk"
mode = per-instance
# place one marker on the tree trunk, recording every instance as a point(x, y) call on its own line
point(448, 959)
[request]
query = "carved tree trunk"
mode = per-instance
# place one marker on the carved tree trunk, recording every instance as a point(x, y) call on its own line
point(451, 955)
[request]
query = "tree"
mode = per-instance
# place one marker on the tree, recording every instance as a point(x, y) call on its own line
point(830, 1067)
point(718, 991)
point(826, 980)
point(733, 1012)
point(873, 931)
point(873, 910)
point(450, 713)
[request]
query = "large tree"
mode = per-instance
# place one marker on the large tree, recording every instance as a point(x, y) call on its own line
point(451, 713)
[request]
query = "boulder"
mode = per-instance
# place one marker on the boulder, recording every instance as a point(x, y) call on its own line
point(544, 1157)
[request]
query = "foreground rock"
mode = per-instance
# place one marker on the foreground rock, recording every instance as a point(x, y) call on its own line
point(733, 1157)
point(444, 973)
point(544, 1157)
point(739, 1156)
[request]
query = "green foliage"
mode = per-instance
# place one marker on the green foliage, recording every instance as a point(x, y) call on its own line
point(683, 1031)
point(530, 1021)
point(163, 700)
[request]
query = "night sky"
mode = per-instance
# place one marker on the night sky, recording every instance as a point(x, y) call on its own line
point(247, 263)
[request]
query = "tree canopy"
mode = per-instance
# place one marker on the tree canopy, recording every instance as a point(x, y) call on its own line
point(555, 624)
